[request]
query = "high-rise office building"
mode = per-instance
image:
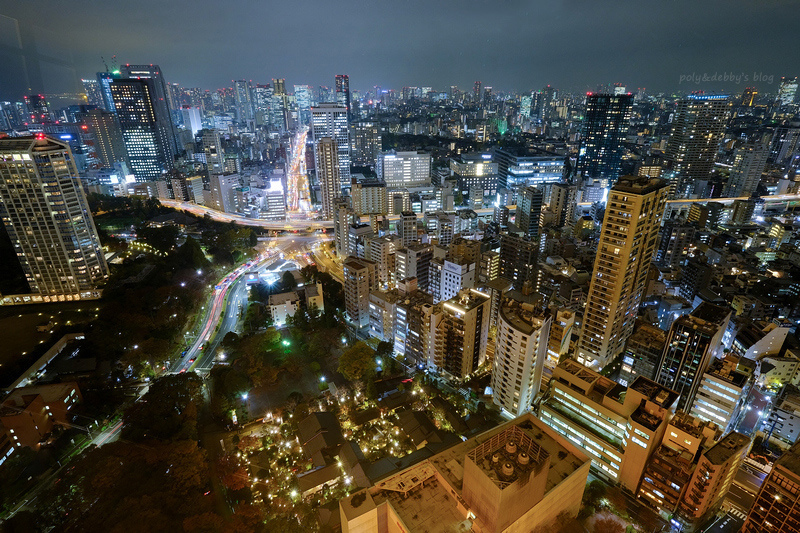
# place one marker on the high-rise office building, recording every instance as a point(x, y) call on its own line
point(104, 80)
point(145, 131)
point(343, 93)
point(328, 174)
point(222, 194)
point(787, 92)
point(749, 161)
point(330, 120)
point(692, 342)
point(192, 120)
point(93, 94)
point(605, 125)
point(302, 98)
point(697, 129)
point(520, 354)
point(365, 143)
point(160, 95)
point(404, 169)
point(44, 210)
point(262, 103)
point(108, 136)
point(244, 101)
point(627, 244)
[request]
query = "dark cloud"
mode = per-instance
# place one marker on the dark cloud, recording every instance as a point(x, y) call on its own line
point(511, 45)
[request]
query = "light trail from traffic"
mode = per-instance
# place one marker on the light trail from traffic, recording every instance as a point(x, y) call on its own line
point(298, 198)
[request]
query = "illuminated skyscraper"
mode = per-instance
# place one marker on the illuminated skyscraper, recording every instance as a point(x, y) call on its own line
point(93, 94)
point(160, 96)
point(48, 220)
point(104, 80)
point(244, 100)
point(627, 243)
point(605, 125)
point(145, 132)
point(787, 91)
point(302, 97)
point(327, 164)
point(343, 92)
point(697, 129)
point(330, 120)
point(110, 143)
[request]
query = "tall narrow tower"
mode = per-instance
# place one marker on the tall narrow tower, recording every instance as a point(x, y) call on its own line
point(48, 220)
point(343, 93)
point(627, 243)
point(327, 161)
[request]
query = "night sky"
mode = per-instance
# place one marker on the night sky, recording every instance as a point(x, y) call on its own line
point(507, 44)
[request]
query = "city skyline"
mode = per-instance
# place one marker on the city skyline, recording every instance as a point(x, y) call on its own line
point(524, 48)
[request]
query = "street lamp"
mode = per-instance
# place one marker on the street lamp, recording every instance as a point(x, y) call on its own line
point(322, 379)
point(244, 396)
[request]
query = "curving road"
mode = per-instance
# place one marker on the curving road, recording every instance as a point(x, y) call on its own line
point(229, 300)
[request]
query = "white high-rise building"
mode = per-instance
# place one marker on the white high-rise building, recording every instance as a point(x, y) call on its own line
point(45, 212)
point(404, 169)
point(222, 197)
point(330, 120)
point(520, 354)
point(191, 119)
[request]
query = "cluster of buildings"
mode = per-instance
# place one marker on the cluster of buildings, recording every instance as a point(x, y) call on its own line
point(626, 266)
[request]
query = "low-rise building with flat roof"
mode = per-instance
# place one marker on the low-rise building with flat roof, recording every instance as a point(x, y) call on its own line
point(513, 478)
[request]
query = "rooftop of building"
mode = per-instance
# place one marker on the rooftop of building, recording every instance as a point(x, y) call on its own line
point(790, 460)
point(715, 314)
point(423, 503)
point(645, 333)
point(466, 300)
point(32, 143)
point(728, 372)
point(658, 394)
point(522, 316)
point(355, 263)
point(730, 445)
point(639, 185)
point(690, 424)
